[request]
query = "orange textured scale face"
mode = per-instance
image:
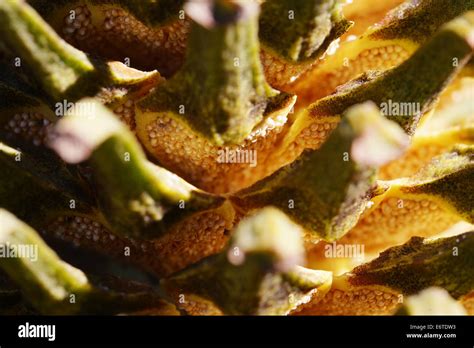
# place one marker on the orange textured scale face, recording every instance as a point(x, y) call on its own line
point(248, 157)
point(311, 137)
point(393, 222)
point(320, 82)
point(396, 220)
point(412, 161)
point(354, 301)
point(203, 234)
point(217, 169)
point(116, 34)
point(279, 73)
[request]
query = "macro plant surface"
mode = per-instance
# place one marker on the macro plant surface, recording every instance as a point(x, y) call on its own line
point(236, 157)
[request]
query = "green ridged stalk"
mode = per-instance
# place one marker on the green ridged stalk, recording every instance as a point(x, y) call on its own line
point(53, 286)
point(420, 263)
point(138, 198)
point(417, 21)
point(262, 257)
point(300, 31)
point(62, 71)
point(447, 179)
point(327, 189)
point(416, 82)
point(221, 89)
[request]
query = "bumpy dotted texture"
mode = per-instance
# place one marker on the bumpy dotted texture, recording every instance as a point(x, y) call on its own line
point(29, 126)
point(163, 47)
point(80, 26)
point(198, 161)
point(318, 83)
point(356, 300)
point(197, 237)
point(278, 72)
point(411, 161)
point(86, 233)
point(395, 220)
point(121, 35)
point(126, 113)
point(34, 128)
point(311, 137)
